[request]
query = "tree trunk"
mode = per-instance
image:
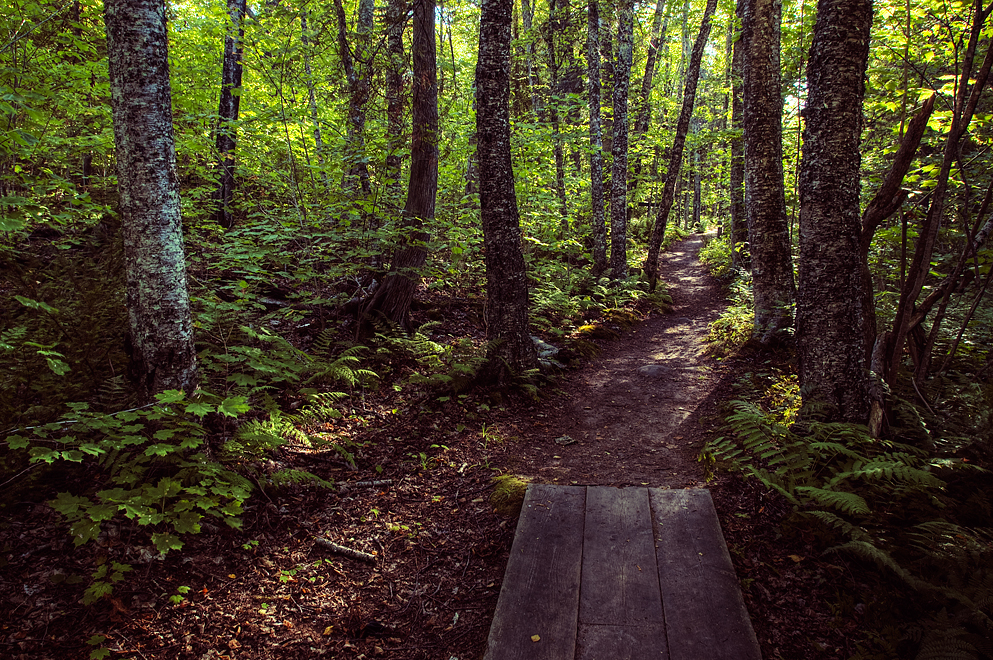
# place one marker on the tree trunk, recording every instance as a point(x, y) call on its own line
point(393, 297)
point(511, 349)
point(554, 27)
point(357, 70)
point(396, 20)
point(739, 222)
point(678, 142)
point(644, 104)
point(227, 113)
point(619, 144)
point(598, 224)
point(163, 355)
point(834, 374)
point(765, 197)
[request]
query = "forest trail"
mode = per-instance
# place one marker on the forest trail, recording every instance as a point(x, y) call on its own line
point(638, 414)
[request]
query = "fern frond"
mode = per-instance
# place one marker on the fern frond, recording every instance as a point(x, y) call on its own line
point(882, 559)
point(841, 500)
point(834, 521)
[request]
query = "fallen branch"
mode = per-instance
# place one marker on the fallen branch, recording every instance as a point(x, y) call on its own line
point(366, 484)
point(345, 552)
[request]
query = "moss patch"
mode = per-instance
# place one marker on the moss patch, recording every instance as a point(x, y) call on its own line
point(508, 495)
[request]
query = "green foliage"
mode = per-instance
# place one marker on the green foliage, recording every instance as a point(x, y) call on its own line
point(447, 368)
point(716, 256)
point(734, 325)
point(881, 501)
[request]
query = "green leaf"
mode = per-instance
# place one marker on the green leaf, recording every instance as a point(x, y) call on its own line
point(160, 450)
point(171, 396)
point(199, 408)
point(17, 441)
point(67, 503)
point(234, 406)
point(164, 542)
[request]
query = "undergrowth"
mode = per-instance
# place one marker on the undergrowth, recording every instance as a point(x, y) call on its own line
point(918, 520)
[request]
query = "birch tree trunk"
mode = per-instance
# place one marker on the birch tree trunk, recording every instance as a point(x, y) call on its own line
point(619, 145)
point(511, 349)
point(227, 113)
point(393, 297)
point(830, 341)
point(678, 142)
point(765, 197)
point(163, 355)
point(598, 224)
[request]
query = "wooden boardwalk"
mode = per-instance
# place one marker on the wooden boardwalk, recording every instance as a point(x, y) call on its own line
point(599, 573)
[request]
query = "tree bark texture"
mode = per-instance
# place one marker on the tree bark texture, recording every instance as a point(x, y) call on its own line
point(227, 113)
point(739, 221)
point(393, 297)
point(765, 198)
point(678, 142)
point(163, 355)
point(598, 223)
point(396, 20)
point(830, 340)
point(511, 349)
point(619, 144)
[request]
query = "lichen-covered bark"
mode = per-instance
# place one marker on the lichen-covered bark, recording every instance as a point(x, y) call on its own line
point(511, 349)
point(830, 340)
point(227, 113)
point(765, 197)
point(739, 223)
point(598, 224)
point(396, 19)
point(394, 296)
point(678, 142)
point(163, 355)
point(619, 144)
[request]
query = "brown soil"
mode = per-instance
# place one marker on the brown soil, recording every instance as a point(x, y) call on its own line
point(639, 414)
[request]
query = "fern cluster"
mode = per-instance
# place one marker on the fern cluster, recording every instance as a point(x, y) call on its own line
point(884, 502)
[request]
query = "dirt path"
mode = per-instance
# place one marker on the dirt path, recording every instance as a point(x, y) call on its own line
point(638, 413)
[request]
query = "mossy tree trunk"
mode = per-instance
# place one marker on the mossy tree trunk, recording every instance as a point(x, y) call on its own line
point(830, 337)
point(163, 355)
point(619, 144)
point(765, 197)
point(511, 349)
point(598, 224)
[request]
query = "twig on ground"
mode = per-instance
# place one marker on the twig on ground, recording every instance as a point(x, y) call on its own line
point(345, 552)
point(365, 484)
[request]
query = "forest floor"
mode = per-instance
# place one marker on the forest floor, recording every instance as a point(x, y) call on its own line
point(416, 496)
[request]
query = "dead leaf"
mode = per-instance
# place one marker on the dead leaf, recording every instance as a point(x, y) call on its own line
point(535, 638)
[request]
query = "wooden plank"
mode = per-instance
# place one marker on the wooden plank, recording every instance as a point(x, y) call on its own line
point(642, 642)
point(704, 613)
point(620, 579)
point(540, 592)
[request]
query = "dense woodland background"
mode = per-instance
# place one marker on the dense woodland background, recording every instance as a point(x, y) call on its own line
point(312, 230)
